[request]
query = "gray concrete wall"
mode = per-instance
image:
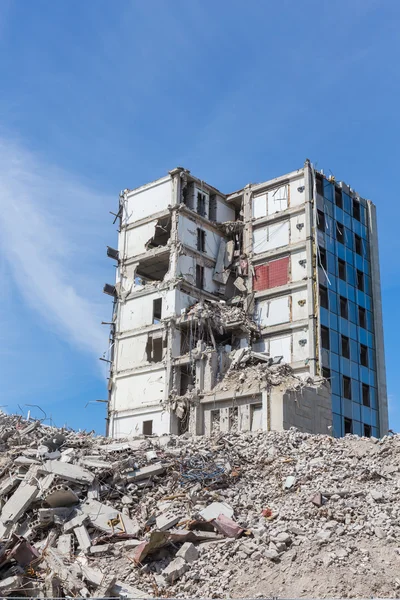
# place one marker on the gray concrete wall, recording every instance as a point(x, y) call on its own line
point(378, 320)
point(309, 410)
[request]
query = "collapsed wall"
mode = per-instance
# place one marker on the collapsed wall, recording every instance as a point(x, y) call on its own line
point(233, 515)
point(231, 386)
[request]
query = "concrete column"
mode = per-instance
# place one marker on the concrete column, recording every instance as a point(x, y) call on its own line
point(378, 320)
point(310, 232)
point(244, 411)
point(276, 410)
point(224, 419)
point(248, 233)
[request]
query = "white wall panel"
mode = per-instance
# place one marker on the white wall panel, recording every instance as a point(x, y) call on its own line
point(273, 312)
point(146, 201)
point(260, 206)
point(132, 426)
point(297, 228)
point(298, 270)
point(299, 311)
point(271, 237)
point(139, 389)
point(277, 199)
point(281, 346)
point(300, 351)
point(297, 192)
point(131, 352)
point(136, 239)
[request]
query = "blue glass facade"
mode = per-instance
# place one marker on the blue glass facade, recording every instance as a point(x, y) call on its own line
point(346, 310)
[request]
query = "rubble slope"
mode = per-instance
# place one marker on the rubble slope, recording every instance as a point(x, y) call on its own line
point(237, 515)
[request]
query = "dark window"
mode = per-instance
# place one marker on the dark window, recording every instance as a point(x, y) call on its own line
point(348, 426)
point(342, 269)
point(320, 220)
point(199, 276)
point(325, 337)
point(365, 394)
point(320, 185)
point(201, 240)
point(323, 296)
point(338, 197)
point(340, 233)
point(362, 317)
point(147, 428)
point(356, 210)
point(363, 355)
point(345, 347)
point(154, 349)
point(157, 307)
point(367, 430)
point(201, 204)
point(347, 387)
point(343, 308)
point(360, 280)
point(212, 209)
point(322, 257)
point(358, 244)
point(326, 372)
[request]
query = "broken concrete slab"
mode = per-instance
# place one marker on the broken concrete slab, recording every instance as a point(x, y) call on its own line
point(17, 504)
point(108, 519)
point(188, 552)
point(175, 569)
point(145, 472)
point(76, 521)
point(67, 471)
point(213, 510)
point(83, 538)
point(166, 521)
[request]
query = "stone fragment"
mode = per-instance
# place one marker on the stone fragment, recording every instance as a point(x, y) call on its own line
point(214, 510)
point(166, 521)
point(175, 569)
point(188, 552)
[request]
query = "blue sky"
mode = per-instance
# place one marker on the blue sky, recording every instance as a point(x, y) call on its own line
point(98, 96)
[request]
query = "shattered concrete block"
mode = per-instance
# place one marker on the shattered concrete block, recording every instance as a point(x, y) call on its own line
point(83, 538)
point(106, 585)
point(61, 495)
point(145, 472)
point(68, 471)
point(17, 504)
point(11, 583)
point(175, 569)
point(215, 509)
point(95, 463)
point(65, 544)
point(165, 521)
point(317, 499)
point(101, 550)
point(188, 552)
point(75, 522)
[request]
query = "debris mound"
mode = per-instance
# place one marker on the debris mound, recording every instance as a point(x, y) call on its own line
point(236, 515)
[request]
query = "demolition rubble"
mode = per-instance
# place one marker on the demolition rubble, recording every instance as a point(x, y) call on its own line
point(234, 515)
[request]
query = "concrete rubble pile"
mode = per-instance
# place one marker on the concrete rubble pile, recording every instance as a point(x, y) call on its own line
point(238, 514)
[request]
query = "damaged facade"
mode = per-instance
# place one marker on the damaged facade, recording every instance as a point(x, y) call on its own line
point(259, 309)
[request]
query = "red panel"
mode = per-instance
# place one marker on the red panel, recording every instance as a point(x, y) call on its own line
point(260, 279)
point(278, 272)
point(272, 274)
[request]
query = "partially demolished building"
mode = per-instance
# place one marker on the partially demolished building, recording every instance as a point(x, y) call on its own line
point(259, 309)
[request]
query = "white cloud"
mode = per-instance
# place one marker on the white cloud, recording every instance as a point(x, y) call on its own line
point(53, 234)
